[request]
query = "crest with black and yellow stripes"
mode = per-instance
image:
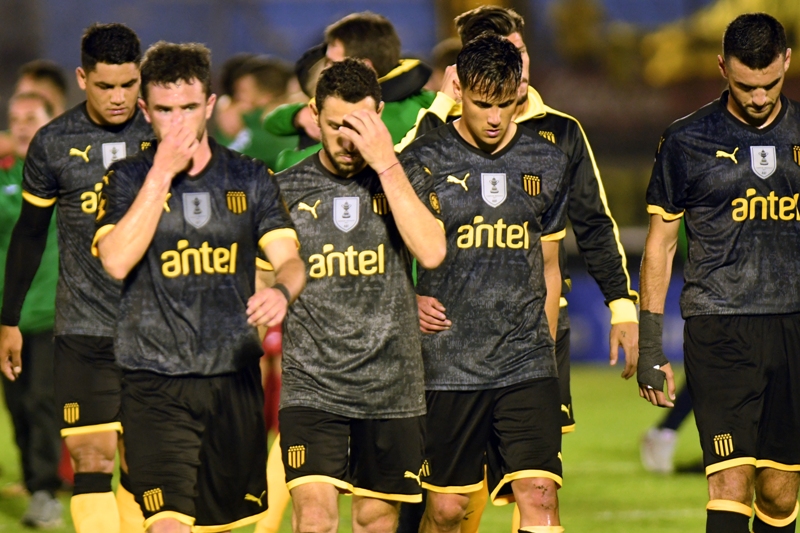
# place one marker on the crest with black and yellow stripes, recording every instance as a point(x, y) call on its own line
point(72, 413)
point(296, 456)
point(723, 444)
point(153, 500)
point(532, 184)
point(144, 145)
point(237, 201)
point(796, 153)
point(425, 471)
point(433, 199)
point(548, 135)
point(380, 204)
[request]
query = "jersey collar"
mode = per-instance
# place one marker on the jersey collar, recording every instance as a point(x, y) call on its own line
point(723, 103)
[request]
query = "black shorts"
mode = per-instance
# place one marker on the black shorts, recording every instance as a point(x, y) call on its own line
point(514, 431)
point(743, 374)
point(196, 447)
point(562, 360)
point(87, 384)
point(374, 458)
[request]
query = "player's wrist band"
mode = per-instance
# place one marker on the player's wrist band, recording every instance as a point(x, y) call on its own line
point(388, 168)
point(281, 287)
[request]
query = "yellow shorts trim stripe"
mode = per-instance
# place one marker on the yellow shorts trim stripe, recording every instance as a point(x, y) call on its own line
point(766, 463)
point(777, 522)
point(567, 429)
point(669, 217)
point(264, 265)
point(405, 498)
point(163, 515)
point(731, 463)
point(520, 474)
point(38, 202)
point(99, 234)
point(281, 233)
point(97, 428)
point(557, 236)
point(246, 521)
point(729, 506)
point(475, 487)
point(338, 483)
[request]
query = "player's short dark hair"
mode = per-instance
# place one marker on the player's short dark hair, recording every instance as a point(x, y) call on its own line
point(48, 107)
point(367, 35)
point(350, 80)
point(166, 63)
point(490, 65)
point(755, 39)
point(445, 53)
point(45, 70)
point(112, 44)
point(500, 21)
point(307, 67)
point(229, 72)
point(270, 74)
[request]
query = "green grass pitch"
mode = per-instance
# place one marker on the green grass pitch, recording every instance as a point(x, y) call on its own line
point(605, 488)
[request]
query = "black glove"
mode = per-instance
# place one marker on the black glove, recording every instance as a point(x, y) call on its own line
point(651, 352)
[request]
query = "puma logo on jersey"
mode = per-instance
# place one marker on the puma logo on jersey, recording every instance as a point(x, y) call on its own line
point(462, 182)
point(566, 408)
point(82, 154)
point(166, 202)
point(302, 206)
point(731, 156)
point(251, 498)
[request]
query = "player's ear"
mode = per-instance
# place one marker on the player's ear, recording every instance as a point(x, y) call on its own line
point(721, 65)
point(787, 60)
point(457, 89)
point(312, 105)
point(143, 107)
point(212, 99)
point(80, 76)
point(380, 108)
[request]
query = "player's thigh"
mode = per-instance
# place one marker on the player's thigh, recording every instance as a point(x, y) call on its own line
point(526, 441)
point(726, 375)
point(456, 429)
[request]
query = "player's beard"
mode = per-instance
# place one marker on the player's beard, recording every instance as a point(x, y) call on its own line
point(343, 169)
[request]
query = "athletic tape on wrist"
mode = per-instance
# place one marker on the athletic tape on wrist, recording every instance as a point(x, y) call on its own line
point(651, 352)
point(281, 287)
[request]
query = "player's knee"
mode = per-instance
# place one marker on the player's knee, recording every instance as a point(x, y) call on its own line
point(384, 521)
point(90, 458)
point(775, 500)
point(168, 525)
point(315, 519)
point(536, 495)
point(447, 510)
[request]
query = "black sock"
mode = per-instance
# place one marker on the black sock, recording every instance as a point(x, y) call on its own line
point(727, 522)
point(88, 483)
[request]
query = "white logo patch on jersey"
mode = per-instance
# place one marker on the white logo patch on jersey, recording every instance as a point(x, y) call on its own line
point(197, 208)
point(345, 212)
point(493, 188)
point(763, 161)
point(113, 152)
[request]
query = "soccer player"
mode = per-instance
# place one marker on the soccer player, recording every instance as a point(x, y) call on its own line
point(490, 376)
point(732, 171)
point(46, 78)
point(352, 393)
point(181, 224)
point(65, 166)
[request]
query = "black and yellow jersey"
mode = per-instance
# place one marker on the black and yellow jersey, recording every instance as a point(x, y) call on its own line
point(737, 188)
point(183, 306)
point(496, 210)
point(65, 166)
point(596, 232)
point(351, 341)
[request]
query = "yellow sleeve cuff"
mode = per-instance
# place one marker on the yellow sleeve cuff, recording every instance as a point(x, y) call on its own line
point(99, 234)
point(623, 310)
point(281, 233)
point(35, 200)
point(264, 265)
point(669, 217)
point(555, 236)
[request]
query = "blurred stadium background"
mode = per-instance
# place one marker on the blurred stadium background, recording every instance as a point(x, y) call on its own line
point(624, 68)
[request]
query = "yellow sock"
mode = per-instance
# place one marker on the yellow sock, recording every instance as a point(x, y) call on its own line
point(515, 519)
point(95, 512)
point(542, 529)
point(131, 519)
point(277, 493)
point(475, 507)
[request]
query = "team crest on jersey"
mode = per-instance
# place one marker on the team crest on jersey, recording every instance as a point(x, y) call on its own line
point(763, 161)
point(237, 201)
point(796, 154)
point(144, 145)
point(532, 184)
point(433, 199)
point(345, 212)
point(493, 188)
point(197, 208)
point(380, 204)
point(113, 152)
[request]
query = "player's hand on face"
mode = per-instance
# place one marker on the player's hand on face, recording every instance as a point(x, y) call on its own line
point(10, 352)
point(431, 315)
point(304, 120)
point(625, 335)
point(657, 397)
point(175, 150)
point(266, 307)
point(365, 129)
point(448, 82)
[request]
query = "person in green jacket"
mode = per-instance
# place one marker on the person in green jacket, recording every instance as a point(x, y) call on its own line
point(372, 38)
point(30, 399)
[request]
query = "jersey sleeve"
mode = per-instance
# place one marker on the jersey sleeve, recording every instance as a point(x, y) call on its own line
point(116, 197)
point(39, 183)
point(281, 121)
point(554, 220)
point(272, 220)
point(666, 193)
point(422, 182)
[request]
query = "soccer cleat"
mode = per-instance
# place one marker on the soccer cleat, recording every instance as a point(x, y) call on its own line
point(657, 449)
point(44, 511)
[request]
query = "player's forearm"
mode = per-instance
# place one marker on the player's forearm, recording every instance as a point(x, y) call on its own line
point(292, 275)
point(659, 252)
point(552, 279)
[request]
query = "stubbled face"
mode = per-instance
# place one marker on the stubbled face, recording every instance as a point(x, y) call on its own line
point(516, 39)
point(25, 117)
point(339, 151)
point(485, 119)
point(111, 92)
point(178, 104)
point(754, 93)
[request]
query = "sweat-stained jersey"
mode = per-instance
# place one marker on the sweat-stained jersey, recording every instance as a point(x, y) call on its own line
point(351, 340)
point(738, 188)
point(183, 306)
point(65, 164)
point(496, 208)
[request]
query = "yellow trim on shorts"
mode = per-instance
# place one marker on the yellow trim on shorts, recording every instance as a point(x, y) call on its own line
point(180, 517)
point(95, 428)
point(730, 463)
point(766, 463)
point(669, 217)
point(99, 234)
point(777, 522)
point(246, 521)
point(280, 233)
point(567, 429)
point(520, 474)
point(264, 265)
point(405, 498)
point(557, 236)
point(729, 506)
point(475, 487)
point(338, 483)
point(38, 202)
